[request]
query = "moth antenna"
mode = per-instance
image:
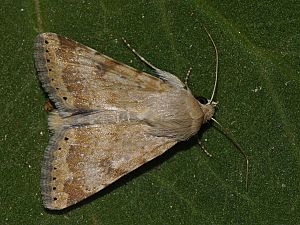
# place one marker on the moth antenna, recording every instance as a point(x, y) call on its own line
point(217, 65)
point(138, 55)
point(238, 147)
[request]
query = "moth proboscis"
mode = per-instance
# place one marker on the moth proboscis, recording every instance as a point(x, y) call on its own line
point(110, 118)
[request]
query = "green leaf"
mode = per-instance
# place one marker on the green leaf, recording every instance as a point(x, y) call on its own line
point(258, 94)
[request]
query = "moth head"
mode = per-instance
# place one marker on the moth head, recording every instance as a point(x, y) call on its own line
point(208, 108)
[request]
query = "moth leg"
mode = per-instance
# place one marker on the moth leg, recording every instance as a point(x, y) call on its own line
point(204, 148)
point(138, 55)
point(188, 74)
point(170, 78)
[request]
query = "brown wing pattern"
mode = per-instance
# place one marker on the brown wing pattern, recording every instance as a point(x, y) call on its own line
point(82, 161)
point(89, 151)
point(78, 77)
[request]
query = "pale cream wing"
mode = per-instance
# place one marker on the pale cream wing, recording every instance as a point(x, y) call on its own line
point(81, 161)
point(77, 77)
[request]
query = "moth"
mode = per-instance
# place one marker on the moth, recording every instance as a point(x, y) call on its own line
point(110, 118)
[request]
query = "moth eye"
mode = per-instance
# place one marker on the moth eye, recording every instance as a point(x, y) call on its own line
point(202, 100)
